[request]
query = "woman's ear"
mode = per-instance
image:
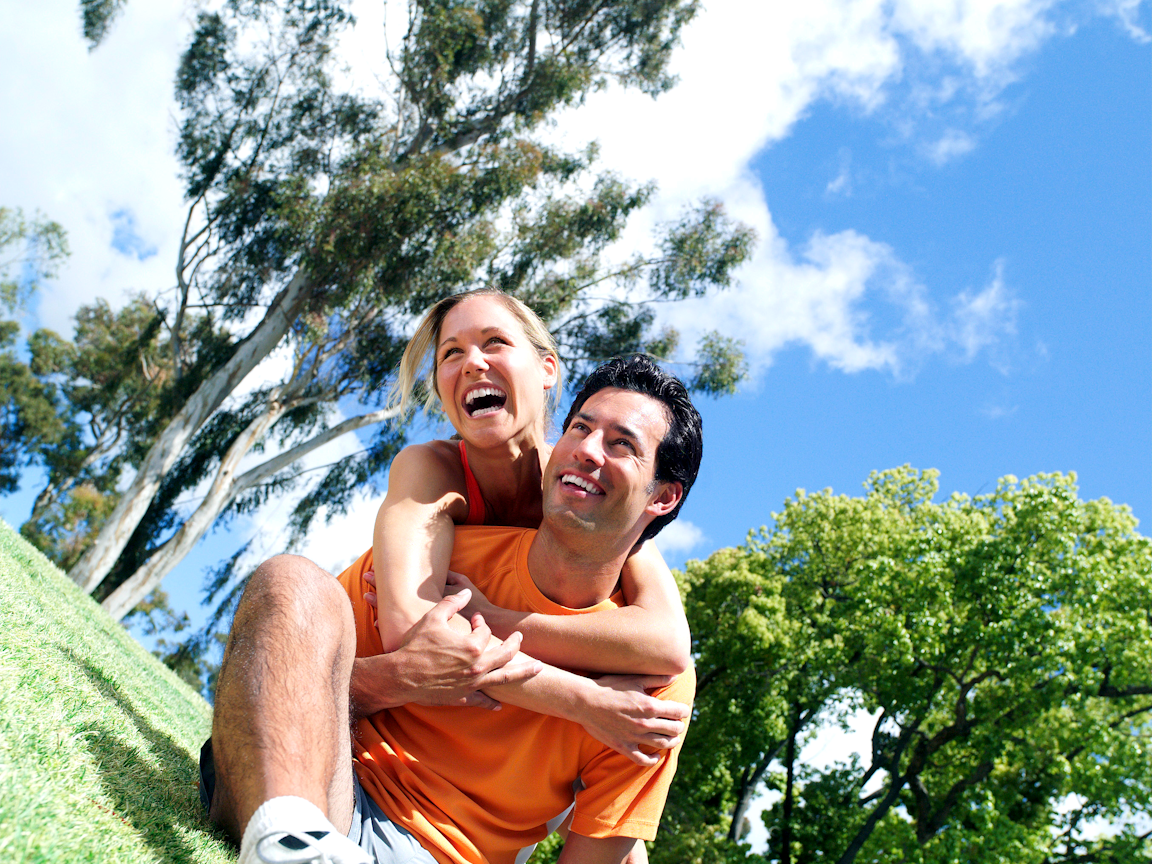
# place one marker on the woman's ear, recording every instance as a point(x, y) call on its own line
point(551, 368)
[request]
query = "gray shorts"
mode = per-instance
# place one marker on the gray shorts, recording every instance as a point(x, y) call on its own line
point(380, 837)
point(371, 829)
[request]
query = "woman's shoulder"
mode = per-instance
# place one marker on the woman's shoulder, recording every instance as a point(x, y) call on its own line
point(430, 462)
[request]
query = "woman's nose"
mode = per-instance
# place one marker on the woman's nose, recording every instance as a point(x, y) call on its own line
point(474, 360)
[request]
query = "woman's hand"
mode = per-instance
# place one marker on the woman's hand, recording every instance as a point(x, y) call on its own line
point(477, 604)
point(623, 716)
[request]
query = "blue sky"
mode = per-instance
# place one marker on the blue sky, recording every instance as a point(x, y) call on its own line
point(1056, 195)
point(952, 199)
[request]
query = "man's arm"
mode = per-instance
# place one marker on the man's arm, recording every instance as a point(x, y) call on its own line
point(579, 849)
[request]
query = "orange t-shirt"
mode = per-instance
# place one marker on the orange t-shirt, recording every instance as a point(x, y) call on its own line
point(478, 786)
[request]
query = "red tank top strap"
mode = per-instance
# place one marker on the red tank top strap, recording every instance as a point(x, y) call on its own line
point(476, 510)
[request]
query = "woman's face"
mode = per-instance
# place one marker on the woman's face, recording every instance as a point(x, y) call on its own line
point(490, 378)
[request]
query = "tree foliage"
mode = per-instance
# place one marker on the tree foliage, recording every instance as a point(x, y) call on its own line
point(96, 17)
point(999, 648)
point(322, 216)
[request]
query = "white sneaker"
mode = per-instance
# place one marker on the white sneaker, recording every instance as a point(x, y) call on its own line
point(309, 847)
point(291, 830)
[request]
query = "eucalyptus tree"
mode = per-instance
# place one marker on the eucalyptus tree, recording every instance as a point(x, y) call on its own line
point(997, 648)
point(32, 249)
point(320, 219)
point(96, 17)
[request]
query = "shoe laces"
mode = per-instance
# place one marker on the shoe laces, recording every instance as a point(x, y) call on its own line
point(293, 847)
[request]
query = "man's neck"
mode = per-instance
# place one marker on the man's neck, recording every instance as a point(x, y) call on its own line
point(573, 573)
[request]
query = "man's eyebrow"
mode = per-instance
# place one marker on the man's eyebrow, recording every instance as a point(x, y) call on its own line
point(620, 428)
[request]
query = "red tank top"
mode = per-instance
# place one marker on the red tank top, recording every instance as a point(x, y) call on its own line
point(476, 511)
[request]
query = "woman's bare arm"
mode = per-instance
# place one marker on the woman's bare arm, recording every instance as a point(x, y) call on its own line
point(412, 541)
point(649, 636)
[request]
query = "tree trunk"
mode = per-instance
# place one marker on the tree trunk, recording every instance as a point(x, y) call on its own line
point(101, 556)
point(224, 490)
point(789, 792)
point(748, 792)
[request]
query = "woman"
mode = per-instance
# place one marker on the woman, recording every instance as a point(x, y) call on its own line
point(496, 373)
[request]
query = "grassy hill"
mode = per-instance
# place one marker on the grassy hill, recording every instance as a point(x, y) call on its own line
point(98, 739)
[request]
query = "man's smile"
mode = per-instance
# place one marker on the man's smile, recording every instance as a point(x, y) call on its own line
point(581, 483)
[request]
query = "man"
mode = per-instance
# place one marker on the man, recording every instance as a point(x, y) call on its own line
point(437, 784)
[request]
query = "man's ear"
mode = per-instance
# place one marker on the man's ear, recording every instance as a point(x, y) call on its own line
point(668, 495)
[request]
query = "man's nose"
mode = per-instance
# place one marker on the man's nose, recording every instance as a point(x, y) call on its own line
point(591, 448)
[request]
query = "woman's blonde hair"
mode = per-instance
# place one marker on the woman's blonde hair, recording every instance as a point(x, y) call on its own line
point(418, 365)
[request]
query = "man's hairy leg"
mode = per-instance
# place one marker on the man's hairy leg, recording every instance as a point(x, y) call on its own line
point(280, 725)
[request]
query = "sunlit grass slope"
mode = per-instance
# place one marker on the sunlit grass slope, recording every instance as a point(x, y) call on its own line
point(97, 738)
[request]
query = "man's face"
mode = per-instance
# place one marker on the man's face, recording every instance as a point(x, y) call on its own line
point(601, 477)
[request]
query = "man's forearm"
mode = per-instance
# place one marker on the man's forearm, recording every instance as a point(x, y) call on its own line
point(378, 683)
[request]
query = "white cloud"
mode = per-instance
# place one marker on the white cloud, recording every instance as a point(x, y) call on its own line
point(951, 145)
point(90, 135)
point(677, 537)
point(841, 184)
point(982, 318)
point(1128, 13)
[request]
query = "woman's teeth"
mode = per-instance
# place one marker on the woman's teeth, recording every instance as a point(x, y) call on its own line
point(484, 400)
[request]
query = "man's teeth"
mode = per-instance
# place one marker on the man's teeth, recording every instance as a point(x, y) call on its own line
point(573, 480)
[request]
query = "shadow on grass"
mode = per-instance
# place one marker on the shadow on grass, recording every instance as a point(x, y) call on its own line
point(155, 799)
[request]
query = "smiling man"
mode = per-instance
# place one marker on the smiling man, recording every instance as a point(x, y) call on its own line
point(451, 785)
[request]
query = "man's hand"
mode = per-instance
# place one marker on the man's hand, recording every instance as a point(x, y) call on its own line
point(623, 716)
point(436, 665)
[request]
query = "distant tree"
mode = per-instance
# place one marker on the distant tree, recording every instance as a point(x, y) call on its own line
point(96, 17)
point(1002, 646)
point(31, 251)
point(115, 388)
point(320, 220)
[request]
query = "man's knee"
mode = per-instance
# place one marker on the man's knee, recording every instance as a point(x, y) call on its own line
point(289, 602)
point(293, 587)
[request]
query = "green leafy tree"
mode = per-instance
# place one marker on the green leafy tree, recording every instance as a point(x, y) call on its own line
point(31, 251)
point(115, 388)
point(321, 219)
point(1001, 645)
point(96, 17)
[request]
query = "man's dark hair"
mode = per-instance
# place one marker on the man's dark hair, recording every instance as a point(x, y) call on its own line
point(678, 456)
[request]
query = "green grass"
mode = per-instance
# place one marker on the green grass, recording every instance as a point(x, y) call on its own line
point(98, 739)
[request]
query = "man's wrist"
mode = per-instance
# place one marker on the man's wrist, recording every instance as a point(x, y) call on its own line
point(373, 686)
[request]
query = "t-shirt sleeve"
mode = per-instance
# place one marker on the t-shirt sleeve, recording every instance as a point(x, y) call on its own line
point(621, 798)
point(368, 642)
